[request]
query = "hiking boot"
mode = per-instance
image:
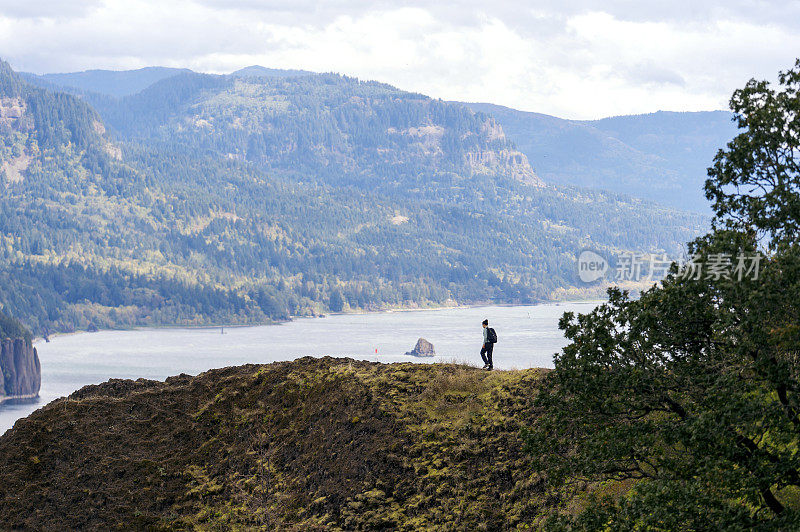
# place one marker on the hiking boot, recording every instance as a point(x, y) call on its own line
point(485, 366)
point(488, 368)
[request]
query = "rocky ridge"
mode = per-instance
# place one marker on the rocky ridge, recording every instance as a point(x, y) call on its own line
point(313, 444)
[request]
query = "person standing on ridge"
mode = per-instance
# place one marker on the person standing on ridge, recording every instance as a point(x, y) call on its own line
point(489, 339)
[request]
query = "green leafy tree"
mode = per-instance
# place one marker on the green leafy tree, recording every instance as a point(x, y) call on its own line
point(691, 394)
point(754, 183)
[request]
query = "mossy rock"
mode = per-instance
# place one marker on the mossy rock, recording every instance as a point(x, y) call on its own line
point(311, 444)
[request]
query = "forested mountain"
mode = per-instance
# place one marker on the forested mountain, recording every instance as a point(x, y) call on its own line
point(320, 128)
point(661, 156)
point(109, 82)
point(227, 199)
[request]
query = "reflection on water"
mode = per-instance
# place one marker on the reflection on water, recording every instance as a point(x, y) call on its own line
point(528, 336)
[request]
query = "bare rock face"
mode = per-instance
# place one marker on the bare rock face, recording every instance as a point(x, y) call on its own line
point(423, 349)
point(507, 162)
point(21, 370)
point(502, 161)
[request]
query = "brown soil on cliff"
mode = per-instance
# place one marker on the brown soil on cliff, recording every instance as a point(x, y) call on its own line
point(310, 444)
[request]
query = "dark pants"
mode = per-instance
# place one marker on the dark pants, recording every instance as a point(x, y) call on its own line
point(486, 354)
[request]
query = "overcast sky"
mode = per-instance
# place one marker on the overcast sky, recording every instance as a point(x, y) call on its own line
point(581, 60)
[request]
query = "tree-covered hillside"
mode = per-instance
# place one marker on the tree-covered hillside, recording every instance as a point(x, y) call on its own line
point(225, 199)
point(323, 128)
point(661, 157)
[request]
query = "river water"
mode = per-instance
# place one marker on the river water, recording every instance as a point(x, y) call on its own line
point(528, 336)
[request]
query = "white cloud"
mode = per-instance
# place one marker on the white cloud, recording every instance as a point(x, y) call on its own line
point(47, 8)
point(583, 61)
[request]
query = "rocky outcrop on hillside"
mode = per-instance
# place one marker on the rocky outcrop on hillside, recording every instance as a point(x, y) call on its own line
point(21, 370)
point(512, 163)
point(313, 444)
point(14, 160)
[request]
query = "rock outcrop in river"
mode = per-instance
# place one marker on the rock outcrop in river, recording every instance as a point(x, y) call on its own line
point(423, 349)
point(21, 371)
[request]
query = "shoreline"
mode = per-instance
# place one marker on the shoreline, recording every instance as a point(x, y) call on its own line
point(38, 339)
point(19, 399)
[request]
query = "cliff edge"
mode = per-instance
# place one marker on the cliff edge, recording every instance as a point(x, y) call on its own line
point(313, 444)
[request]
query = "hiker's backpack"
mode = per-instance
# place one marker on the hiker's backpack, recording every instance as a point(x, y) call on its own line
point(491, 335)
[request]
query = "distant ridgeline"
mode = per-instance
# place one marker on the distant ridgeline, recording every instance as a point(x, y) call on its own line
point(254, 197)
point(19, 362)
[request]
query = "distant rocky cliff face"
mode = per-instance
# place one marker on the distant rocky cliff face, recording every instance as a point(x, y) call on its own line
point(21, 370)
